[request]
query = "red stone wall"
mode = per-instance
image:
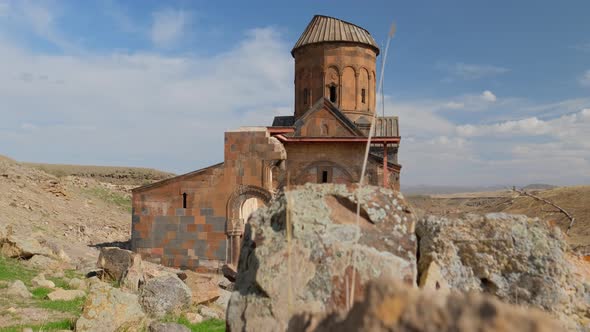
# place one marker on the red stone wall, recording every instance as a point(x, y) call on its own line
point(350, 67)
point(196, 237)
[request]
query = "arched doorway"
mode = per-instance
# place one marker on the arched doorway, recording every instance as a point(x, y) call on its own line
point(240, 206)
point(249, 206)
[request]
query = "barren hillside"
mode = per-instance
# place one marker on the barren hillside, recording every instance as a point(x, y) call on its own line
point(132, 176)
point(71, 211)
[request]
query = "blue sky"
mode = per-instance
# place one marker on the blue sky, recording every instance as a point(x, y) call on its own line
point(488, 92)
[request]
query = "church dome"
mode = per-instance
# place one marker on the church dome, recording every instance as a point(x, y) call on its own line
point(324, 29)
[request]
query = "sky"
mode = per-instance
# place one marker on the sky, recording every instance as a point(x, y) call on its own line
point(487, 92)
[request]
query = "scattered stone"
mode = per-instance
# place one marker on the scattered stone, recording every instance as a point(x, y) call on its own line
point(313, 272)
point(76, 283)
point(27, 329)
point(167, 327)
point(193, 317)
point(40, 281)
point(164, 295)
point(518, 259)
point(65, 295)
point(58, 274)
point(18, 289)
point(42, 263)
point(11, 310)
point(115, 262)
point(203, 286)
point(209, 313)
point(391, 306)
point(108, 309)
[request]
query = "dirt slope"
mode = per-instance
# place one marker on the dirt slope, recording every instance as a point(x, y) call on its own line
point(72, 212)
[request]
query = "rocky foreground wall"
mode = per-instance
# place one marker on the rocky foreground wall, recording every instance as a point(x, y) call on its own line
point(295, 269)
point(312, 271)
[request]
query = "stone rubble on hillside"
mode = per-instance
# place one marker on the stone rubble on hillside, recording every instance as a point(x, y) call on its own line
point(165, 295)
point(518, 259)
point(19, 246)
point(270, 287)
point(65, 295)
point(390, 306)
point(18, 289)
point(109, 309)
point(40, 281)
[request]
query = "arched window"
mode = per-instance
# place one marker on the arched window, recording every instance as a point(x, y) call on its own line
point(324, 130)
point(363, 93)
point(184, 200)
point(333, 93)
point(305, 96)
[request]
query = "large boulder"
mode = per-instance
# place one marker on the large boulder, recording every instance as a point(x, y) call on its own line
point(312, 265)
point(109, 309)
point(518, 259)
point(116, 262)
point(129, 270)
point(391, 306)
point(18, 289)
point(41, 262)
point(18, 246)
point(166, 295)
point(40, 281)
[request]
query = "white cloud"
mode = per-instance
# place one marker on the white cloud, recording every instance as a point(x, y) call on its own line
point(585, 79)
point(169, 26)
point(471, 71)
point(170, 112)
point(488, 96)
point(140, 108)
point(573, 129)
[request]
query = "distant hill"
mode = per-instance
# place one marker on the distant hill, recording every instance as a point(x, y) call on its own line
point(438, 190)
point(441, 190)
point(538, 186)
point(132, 176)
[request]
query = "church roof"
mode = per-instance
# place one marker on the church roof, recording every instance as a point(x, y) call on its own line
point(283, 121)
point(329, 29)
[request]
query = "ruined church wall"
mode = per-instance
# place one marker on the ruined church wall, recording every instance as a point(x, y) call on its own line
point(343, 162)
point(196, 237)
point(164, 232)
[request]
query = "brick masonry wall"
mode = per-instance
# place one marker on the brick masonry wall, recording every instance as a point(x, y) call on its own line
point(351, 67)
point(196, 237)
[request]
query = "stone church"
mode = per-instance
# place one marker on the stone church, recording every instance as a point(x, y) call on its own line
point(196, 220)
